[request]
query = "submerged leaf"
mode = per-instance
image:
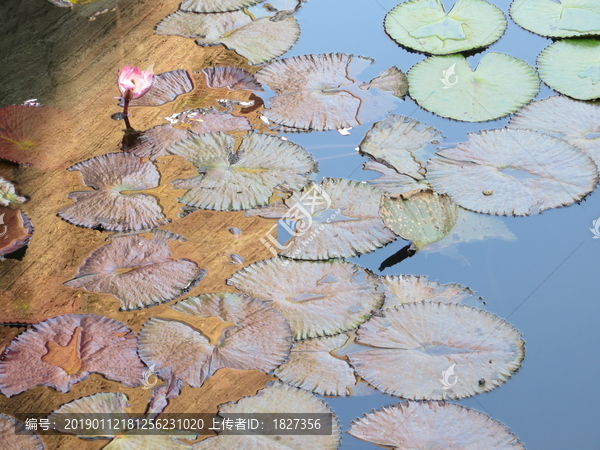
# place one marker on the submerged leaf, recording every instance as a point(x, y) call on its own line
point(391, 80)
point(15, 230)
point(551, 18)
point(432, 424)
point(62, 351)
point(394, 183)
point(316, 298)
point(277, 399)
point(572, 67)
point(14, 435)
point(155, 141)
point(424, 25)
point(312, 367)
point(448, 87)
point(233, 78)
point(412, 345)
point(209, 6)
point(166, 87)
point(517, 172)
point(109, 206)
point(242, 179)
point(576, 122)
point(137, 271)
point(254, 337)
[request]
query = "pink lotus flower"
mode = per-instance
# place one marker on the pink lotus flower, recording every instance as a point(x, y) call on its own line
point(133, 82)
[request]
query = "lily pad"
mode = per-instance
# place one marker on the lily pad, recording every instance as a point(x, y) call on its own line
point(322, 92)
point(391, 80)
point(401, 289)
point(257, 40)
point(562, 18)
point(312, 367)
point(337, 219)
point(576, 122)
point(209, 6)
point(24, 440)
point(166, 87)
point(64, 350)
point(430, 424)
point(110, 205)
point(317, 298)
point(235, 180)
point(137, 271)
point(572, 67)
point(394, 183)
point(254, 337)
point(424, 25)
point(233, 78)
point(154, 142)
point(448, 87)
point(412, 345)
point(517, 172)
point(277, 399)
point(15, 230)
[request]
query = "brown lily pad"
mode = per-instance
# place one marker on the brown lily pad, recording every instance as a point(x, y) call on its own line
point(15, 230)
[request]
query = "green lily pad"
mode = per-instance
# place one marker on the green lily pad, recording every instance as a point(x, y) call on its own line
point(424, 25)
point(562, 18)
point(448, 87)
point(572, 67)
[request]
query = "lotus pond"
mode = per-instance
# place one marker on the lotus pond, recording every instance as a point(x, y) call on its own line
point(375, 212)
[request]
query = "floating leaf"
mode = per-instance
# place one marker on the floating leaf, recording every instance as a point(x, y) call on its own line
point(401, 289)
point(253, 337)
point(448, 87)
point(394, 183)
point(110, 206)
point(233, 78)
point(137, 271)
point(424, 25)
point(316, 298)
point(24, 440)
point(212, 121)
point(322, 92)
point(395, 141)
point(563, 18)
point(572, 67)
point(432, 424)
point(166, 87)
point(15, 230)
point(8, 194)
point(576, 122)
point(422, 218)
point(312, 367)
point(276, 399)
point(62, 351)
point(242, 179)
point(337, 219)
point(391, 80)
point(257, 40)
point(413, 344)
point(517, 172)
point(209, 6)
point(155, 141)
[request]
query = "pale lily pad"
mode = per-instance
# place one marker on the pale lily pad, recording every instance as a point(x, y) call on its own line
point(394, 183)
point(137, 271)
point(8, 194)
point(576, 122)
point(166, 87)
point(242, 179)
point(433, 425)
point(422, 218)
point(257, 40)
point(312, 367)
point(110, 206)
point(316, 298)
point(448, 87)
point(572, 67)
point(413, 345)
point(401, 289)
point(155, 141)
point(64, 350)
point(233, 78)
point(201, 122)
point(322, 92)
point(424, 25)
point(256, 338)
point(517, 172)
point(562, 18)
point(24, 440)
point(209, 6)
point(337, 219)
point(277, 399)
